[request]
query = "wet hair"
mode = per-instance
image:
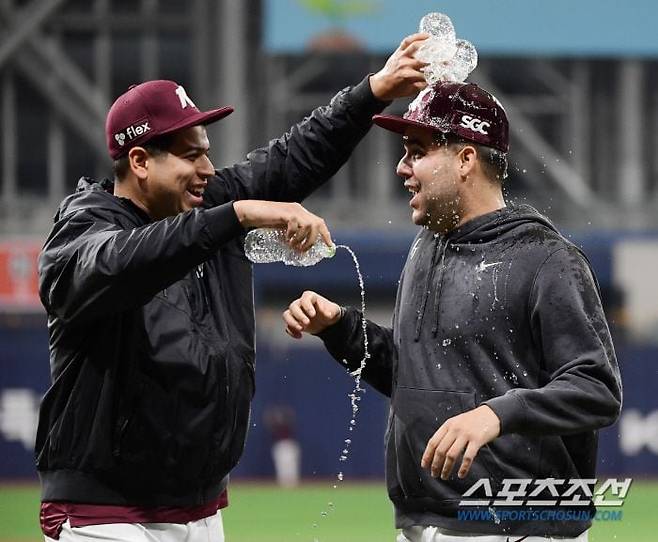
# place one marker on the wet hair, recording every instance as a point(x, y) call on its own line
point(157, 146)
point(493, 161)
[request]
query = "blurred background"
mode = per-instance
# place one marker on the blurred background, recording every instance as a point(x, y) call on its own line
point(578, 80)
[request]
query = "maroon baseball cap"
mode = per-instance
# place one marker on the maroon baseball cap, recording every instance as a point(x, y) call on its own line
point(152, 109)
point(463, 109)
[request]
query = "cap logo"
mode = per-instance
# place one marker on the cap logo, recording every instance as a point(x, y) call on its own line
point(474, 124)
point(133, 131)
point(184, 98)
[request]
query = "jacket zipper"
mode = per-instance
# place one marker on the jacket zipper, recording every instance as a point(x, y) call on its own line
point(116, 451)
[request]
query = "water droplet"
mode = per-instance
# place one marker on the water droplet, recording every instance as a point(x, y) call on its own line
point(492, 511)
point(340, 476)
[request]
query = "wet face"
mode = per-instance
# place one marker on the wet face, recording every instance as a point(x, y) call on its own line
point(176, 180)
point(431, 175)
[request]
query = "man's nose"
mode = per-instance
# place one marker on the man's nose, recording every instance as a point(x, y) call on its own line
point(403, 169)
point(206, 169)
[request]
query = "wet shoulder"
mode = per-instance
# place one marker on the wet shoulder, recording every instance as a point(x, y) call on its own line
point(535, 242)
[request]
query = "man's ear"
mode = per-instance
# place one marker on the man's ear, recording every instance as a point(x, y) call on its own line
point(138, 159)
point(467, 156)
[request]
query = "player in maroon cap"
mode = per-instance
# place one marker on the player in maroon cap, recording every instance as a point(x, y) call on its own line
point(499, 363)
point(150, 307)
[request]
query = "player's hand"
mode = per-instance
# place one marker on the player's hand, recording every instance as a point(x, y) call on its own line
point(465, 433)
point(302, 227)
point(401, 75)
point(311, 313)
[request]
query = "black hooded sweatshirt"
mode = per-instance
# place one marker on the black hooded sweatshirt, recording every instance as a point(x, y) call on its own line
point(502, 311)
point(151, 325)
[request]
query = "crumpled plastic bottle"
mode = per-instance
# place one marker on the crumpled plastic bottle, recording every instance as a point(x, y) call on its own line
point(448, 58)
point(268, 245)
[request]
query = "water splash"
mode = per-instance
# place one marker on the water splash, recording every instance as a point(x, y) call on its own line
point(357, 392)
point(447, 58)
point(495, 517)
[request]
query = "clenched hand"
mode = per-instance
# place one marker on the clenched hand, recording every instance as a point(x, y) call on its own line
point(311, 313)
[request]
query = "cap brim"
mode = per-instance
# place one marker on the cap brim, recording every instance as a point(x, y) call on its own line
point(202, 118)
point(399, 124)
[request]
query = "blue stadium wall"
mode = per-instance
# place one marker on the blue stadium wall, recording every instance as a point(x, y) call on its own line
point(316, 388)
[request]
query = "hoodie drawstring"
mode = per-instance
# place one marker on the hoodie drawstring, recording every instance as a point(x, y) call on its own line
point(428, 285)
point(437, 295)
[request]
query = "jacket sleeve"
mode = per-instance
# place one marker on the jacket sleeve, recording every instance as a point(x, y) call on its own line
point(90, 267)
point(310, 153)
point(344, 341)
point(583, 385)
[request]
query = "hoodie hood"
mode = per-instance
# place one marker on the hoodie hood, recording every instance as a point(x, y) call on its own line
point(90, 194)
point(493, 225)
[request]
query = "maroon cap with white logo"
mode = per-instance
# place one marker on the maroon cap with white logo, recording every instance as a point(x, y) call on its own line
point(463, 109)
point(152, 109)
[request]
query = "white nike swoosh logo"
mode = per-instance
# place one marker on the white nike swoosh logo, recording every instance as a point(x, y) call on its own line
point(483, 266)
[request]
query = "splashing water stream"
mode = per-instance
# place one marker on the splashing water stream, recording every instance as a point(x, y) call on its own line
point(265, 245)
point(357, 392)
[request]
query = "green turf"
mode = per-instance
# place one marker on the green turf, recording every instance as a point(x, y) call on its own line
point(360, 513)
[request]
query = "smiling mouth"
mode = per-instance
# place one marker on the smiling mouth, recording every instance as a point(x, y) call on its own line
point(412, 187)
point(413, 190)
point(196, 192)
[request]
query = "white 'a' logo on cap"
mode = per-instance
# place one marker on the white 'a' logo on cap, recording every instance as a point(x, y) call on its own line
point(184, 98)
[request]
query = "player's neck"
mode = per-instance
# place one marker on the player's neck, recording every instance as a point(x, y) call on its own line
point(126, 189)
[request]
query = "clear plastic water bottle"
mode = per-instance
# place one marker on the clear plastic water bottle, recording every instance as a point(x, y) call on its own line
point(448, 58)
point(267, 245)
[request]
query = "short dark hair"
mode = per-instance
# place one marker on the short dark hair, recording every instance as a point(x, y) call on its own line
point(155, 147)
point(494, 161)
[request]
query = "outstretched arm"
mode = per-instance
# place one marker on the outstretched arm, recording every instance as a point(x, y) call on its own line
point(91, 267)
point(311, 152)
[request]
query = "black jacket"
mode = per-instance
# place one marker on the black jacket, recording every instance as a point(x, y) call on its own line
point(152, 325)
point(503, 311)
